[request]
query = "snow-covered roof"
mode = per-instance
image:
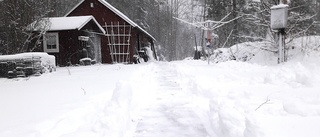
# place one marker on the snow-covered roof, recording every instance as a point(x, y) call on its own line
point(279, 6)
point(116, 11)
point(64, 23)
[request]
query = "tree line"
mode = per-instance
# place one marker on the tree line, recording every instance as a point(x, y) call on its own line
point(175, 39)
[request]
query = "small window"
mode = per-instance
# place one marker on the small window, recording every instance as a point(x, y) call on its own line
point(91, 5)
point(51, 42)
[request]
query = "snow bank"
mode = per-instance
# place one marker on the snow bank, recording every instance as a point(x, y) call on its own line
point(116, 119)
point(306, 45)
point(258, 52)
point(231, 98)
point(263, 53)
point(240, 99)
point(73, 101)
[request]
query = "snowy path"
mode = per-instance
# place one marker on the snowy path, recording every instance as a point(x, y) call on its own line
point(171, 114)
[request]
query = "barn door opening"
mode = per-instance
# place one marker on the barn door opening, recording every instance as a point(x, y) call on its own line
point(119, 42)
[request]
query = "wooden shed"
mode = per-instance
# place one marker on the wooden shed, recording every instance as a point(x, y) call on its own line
point(69, 39)
point(123, 38)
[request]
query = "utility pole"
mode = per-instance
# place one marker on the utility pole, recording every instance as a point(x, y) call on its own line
point(281, 43)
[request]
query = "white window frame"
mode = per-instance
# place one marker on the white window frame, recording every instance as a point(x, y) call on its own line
point(45, 46)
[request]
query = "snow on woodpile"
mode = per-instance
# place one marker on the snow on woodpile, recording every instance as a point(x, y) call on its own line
point(26, 64)
point(47, 61)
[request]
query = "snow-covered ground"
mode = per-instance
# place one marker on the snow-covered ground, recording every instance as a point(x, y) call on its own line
point(240, 99)
point(183, 98)
point(166, 99)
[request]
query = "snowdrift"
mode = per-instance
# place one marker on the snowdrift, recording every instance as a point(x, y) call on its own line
point(264, 53)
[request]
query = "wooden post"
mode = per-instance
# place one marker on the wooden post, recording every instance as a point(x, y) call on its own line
point(281, 44)
point(279, 17)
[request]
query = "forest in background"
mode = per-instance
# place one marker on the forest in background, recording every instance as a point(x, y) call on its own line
point(176, 24)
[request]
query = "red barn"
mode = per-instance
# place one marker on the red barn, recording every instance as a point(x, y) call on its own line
point(93, 30)
point(123, 38)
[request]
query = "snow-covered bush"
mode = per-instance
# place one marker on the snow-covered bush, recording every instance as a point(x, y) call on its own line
point(243, 52)
point(305, 45)
point(265, 53)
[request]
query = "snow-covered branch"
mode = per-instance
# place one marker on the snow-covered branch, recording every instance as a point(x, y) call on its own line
point(205, 24)
point(266, 102)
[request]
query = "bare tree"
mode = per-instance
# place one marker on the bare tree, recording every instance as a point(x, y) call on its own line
point(257, 15)
point(18, 14)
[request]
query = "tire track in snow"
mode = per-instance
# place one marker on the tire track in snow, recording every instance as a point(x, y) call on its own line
point(171, 114)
